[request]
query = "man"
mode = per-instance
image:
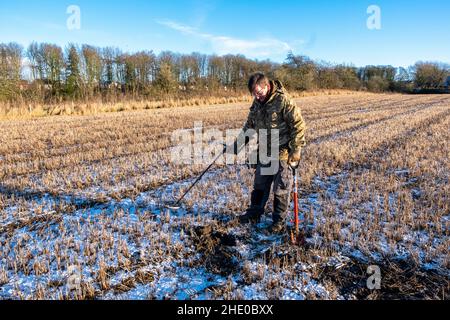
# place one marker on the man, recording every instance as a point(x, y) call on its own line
point(272, 109)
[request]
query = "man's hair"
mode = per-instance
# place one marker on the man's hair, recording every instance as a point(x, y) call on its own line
point(257, 79)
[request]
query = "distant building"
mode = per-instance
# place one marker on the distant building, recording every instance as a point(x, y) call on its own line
point(23, 85)
point(447, 83)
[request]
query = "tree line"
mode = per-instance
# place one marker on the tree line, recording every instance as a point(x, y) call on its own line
point(45, 72)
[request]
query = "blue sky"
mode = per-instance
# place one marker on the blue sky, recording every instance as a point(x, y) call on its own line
point(334, 31)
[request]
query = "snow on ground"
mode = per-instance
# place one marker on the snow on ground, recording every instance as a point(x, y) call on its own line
point(159, 247)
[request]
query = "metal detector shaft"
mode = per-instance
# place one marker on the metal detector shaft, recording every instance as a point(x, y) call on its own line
point(199, 178)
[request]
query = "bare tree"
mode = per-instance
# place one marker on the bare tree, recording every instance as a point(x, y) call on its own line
point(430, 75)
point(88, 72)
point(10, 69)
point(92, 69)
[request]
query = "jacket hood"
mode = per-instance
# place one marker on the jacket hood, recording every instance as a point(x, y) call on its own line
point(277, 88)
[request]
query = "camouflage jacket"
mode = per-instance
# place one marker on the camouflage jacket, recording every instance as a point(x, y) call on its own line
point(282, 113)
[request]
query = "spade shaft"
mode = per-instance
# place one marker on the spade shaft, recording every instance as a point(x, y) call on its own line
point(296, 237)
point(296, 218)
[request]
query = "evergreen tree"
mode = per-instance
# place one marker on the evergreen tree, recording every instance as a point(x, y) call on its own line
point(73, 76)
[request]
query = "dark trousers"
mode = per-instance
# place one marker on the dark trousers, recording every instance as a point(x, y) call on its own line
point(282, 186)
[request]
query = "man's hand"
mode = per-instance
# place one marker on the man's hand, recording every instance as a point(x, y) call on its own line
point(295, 157)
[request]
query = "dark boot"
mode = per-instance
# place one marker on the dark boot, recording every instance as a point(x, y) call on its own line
point(252, 216)
point(280, 208)
point(278, 227)
point(256, 210)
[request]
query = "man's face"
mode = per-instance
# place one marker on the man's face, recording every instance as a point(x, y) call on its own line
point(261, 91)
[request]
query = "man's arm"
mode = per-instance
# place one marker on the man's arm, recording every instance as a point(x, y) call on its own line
point(297, 126)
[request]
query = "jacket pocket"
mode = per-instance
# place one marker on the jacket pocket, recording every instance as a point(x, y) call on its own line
point(274, 120)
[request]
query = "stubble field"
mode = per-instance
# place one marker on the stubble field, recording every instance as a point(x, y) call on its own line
point(81, 207)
